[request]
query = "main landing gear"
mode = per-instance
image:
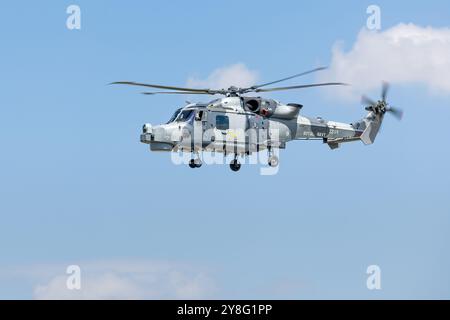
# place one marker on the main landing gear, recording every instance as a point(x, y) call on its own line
point(235, 165)
point(195, 163)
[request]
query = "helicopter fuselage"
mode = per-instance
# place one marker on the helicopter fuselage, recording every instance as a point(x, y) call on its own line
point(242, 125)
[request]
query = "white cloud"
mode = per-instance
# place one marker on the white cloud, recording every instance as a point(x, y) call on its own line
point(403, 54)
point(234, 75)
point(122, 280)
point(107, 285)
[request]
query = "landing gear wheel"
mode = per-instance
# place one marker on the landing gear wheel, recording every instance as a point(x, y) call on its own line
point(235, 165)
point(198, 163)
point(192, 164)
point(273, 161)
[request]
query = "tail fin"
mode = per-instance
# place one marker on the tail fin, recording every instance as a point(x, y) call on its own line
point(372, 123)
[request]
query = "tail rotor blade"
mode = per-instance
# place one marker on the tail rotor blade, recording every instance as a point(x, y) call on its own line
point(384, 91)
point(398, 113)
point(366, 100)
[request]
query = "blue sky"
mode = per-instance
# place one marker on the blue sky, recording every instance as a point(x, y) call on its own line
point(77, 187)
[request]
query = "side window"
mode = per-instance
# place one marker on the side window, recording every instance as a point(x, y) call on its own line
point(222, 123)
point(199, 115)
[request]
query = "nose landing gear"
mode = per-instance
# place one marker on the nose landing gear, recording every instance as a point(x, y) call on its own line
point(273, 159)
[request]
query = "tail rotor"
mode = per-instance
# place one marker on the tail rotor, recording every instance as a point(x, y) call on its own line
point(372, 122)
point(381, 106)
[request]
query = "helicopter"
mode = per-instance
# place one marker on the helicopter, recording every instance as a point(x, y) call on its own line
point(241, 125)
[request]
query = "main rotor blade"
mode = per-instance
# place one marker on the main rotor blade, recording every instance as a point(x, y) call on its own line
point(174, 92)
point(384, 91)
point(288, 78)
point(367, 100)
point(160, 86)
point(302, 86)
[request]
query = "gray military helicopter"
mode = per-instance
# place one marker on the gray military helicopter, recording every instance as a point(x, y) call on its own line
point(239, 124)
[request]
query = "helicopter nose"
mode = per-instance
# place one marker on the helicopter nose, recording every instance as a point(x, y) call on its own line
point(147, 133)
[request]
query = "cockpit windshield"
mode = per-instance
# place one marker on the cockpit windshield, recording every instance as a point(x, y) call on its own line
point(184, 115)
point(174, 116)
point(181, 116)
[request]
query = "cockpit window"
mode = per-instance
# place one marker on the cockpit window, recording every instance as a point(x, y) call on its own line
point(184, 115)
point(172, 118)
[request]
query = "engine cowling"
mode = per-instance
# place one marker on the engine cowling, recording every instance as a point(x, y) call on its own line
point(287, 111)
